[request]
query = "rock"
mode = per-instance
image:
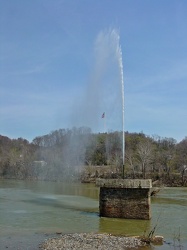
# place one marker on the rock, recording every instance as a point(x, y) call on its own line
point(157, 240)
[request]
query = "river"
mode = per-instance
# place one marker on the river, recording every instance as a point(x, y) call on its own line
point(38, 207)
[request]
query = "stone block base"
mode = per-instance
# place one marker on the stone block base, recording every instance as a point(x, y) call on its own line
point(125, 202)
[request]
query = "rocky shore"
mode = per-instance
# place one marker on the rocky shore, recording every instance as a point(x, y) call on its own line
point(92, 241)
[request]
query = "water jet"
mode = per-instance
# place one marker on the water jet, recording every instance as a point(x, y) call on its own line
point(123, 198)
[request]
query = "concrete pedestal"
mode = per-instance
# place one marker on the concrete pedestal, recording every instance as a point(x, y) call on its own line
point(125, 198)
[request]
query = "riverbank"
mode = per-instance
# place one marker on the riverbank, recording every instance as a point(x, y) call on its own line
point(92, 241)
point(89, 174)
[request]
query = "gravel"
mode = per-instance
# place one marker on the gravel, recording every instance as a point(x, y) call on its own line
point(91, 241)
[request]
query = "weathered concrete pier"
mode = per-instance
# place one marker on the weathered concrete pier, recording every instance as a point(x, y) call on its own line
point(125, 198)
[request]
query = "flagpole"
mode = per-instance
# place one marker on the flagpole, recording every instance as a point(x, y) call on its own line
point(104, 121)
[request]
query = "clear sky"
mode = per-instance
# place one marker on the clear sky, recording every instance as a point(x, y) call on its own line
point(47, 61)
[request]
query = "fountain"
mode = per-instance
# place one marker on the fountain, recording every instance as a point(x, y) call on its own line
point(109, 61)
point(120, 61)
point(123, 198)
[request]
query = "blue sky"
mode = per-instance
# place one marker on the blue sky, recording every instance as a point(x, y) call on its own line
point(49, 67)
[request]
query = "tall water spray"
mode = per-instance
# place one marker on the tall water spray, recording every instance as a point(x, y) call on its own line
point(120, 61)
point(109, 47)
point(112, 41)
point(115, 41)
point(105, 90)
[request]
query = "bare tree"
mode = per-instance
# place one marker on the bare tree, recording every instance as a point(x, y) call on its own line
point(131, 160)
point(144, 153)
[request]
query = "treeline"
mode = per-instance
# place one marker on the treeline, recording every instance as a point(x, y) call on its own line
point(62, 154)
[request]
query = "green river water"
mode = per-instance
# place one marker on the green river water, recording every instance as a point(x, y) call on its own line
point(38, 207)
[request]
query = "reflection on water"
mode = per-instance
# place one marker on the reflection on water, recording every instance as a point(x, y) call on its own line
point(124, 227)
point(27, 206)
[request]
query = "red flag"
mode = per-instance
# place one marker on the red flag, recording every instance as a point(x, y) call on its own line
point(103, 115)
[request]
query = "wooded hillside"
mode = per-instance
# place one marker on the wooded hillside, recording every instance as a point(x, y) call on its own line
point(61, 155)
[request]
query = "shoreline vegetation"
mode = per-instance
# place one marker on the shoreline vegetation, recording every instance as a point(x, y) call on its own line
point(89, 174)
point(78, 154)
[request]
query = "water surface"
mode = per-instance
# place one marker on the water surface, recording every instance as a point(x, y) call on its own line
point(49, 207)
